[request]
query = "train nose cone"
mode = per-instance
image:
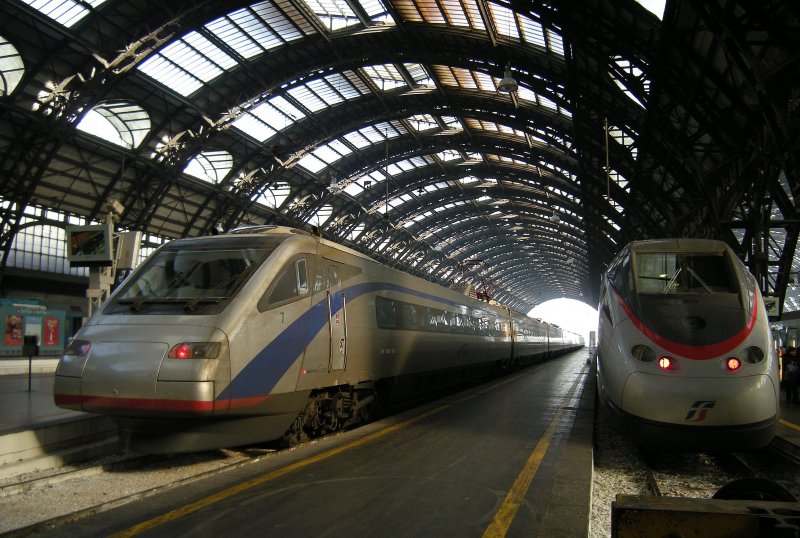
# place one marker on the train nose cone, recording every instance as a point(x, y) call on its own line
point(693, 323)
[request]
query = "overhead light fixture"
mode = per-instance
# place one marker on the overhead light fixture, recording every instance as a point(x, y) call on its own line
point(507, 84)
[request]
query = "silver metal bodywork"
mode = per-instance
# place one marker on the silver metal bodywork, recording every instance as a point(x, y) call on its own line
point(699, 402)
point(327, 342)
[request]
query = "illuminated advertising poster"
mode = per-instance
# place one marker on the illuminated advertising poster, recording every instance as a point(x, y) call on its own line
point(51, 326)
point(13, 336)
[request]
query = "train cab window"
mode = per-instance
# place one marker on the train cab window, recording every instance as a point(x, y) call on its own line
point(290, 285)
point(671, 273)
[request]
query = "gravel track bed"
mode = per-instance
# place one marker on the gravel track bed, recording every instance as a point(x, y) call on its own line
point(621, 468)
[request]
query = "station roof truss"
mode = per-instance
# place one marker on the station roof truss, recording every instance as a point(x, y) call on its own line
point(387, 126)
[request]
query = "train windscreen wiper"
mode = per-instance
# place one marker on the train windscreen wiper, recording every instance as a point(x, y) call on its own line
point(671, 283)
point(700, 280)
point(231, 284)
point(151, 297)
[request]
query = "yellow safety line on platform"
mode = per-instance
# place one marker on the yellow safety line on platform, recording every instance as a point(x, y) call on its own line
point(244, 486)
point(789, 425)
point(508, 510)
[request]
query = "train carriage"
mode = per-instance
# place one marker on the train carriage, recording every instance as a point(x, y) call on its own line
point(274, 333)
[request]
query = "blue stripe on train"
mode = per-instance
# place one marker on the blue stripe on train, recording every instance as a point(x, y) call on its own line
point(262, 373)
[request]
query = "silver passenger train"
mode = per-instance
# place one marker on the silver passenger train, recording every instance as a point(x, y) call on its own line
point(685, 357)
point(274, 333)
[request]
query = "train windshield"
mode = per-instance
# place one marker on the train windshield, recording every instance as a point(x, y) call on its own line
point(190, 279)
point(678, 272)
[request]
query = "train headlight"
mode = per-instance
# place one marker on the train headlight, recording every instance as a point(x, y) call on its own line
point(194, 350)
point(733, 364)
point(643, 353)
point(754, 354)
point(667, 363)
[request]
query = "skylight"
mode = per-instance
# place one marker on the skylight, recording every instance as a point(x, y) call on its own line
point(65, 12)
point(122, 123)
point(187, 63)
point(630, 79)
point(11, 67)
point(211, 166)
point(274, 196)
point(334, 14)
point(385, 77)
point(656, 7)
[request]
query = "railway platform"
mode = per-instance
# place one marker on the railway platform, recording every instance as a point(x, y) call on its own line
point(33, 429)
point(35, 434)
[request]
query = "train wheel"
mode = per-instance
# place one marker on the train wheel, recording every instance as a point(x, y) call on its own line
point(754, 489)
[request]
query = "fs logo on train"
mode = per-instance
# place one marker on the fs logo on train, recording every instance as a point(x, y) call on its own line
point(699, 410)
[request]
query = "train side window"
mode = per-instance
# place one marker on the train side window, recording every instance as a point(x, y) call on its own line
point(290, 285)
point(302, 276)
point(445, 322)
point(408, 316)
point(429, 320)
point(385, 313)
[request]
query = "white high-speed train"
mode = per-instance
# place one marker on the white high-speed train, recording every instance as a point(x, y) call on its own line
point(273, 333)
point(685, 357)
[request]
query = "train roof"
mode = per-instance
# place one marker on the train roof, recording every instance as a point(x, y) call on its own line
point(678, 245)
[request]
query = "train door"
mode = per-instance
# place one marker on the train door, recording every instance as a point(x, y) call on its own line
point(337, 316)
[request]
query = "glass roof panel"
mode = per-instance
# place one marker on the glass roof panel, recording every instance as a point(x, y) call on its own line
point(385, 77)
point(160, 69)
point(323, 89)
point(423, 122)
point(656, 7)
point(312, 163)
point(65, 12)
point(274, 196)
point(11, 67)
point(623, 138)
point(556, 43)
point(324, 156)
point(230, 30)
point(448, 155)
point(211, 166)
point(321, 216)
point(129, 123)
point(256, 29)
point(254, 127)
point(186, 63)
point(532, 32)
point(419, 75)
point(505, 23)
point(623, 70)
point(286, 23)
point(334, 14)
point(304, 94)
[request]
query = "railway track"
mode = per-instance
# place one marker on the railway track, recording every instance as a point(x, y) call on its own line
point(765, 473)
point(622, 469)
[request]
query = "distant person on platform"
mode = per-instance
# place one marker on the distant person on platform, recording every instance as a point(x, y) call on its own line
point(791, 374)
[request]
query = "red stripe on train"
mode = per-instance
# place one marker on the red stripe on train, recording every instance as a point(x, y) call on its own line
point(154, 404)
point(704, 352)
